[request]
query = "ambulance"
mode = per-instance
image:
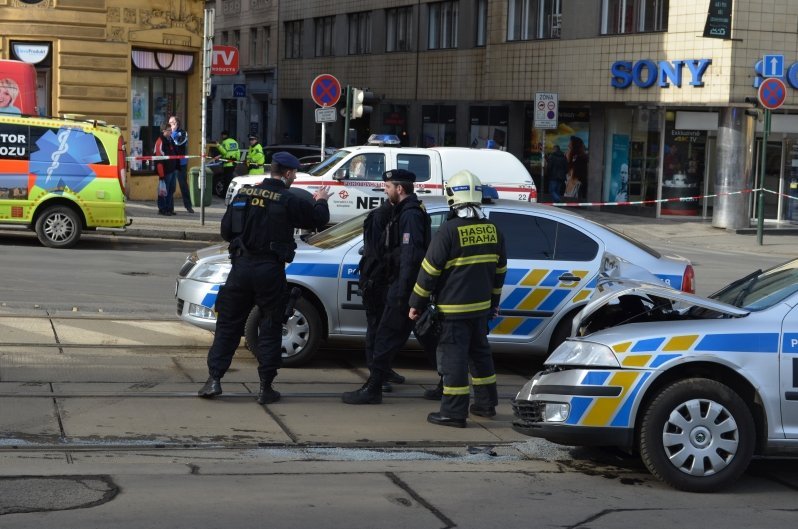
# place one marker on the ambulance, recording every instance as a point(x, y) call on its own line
point(61, 177)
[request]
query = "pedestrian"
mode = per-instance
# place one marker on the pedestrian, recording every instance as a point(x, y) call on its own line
point(576, 183)
point(558, 171)
point(259, 224)
point(464, 269)
point(180, 138)
point(166, 170)
point(407, 236)
point(256, 160)
point(373, 281)
point(228, 151)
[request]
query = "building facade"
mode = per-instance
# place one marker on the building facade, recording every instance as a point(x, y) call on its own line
point(661, 109)
point(129, 63)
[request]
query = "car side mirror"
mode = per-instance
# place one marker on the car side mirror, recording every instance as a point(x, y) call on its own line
point(340, 174)
point(360, 251)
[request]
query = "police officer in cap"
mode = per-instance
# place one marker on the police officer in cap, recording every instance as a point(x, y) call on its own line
point(407, 236)
point(255, 160)
point(259, 224)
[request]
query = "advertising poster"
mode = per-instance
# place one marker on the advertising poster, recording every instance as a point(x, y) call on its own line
point(619, 177)
point(17, 88)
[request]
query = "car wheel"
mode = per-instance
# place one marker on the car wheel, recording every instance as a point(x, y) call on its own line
point(58, 227)
point(697, 435)
point(301, 334)
point(219, 187)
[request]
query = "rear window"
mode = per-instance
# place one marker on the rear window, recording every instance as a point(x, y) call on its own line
point(531, 237)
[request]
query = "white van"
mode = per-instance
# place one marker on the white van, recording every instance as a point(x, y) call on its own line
point(355, 174)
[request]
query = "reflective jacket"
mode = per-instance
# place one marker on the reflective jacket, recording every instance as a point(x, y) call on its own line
point(256, 159)
point(464, 268)
point(228, 150)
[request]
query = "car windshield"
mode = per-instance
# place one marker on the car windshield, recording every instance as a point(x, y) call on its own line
point(327, 164)
point(338, 234)
point(761, 290)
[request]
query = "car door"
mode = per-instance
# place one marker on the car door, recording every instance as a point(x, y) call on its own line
point(552, 268)
point(789, 374)
point(361, 176)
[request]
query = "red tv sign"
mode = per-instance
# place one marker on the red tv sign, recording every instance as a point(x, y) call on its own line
point(224, 60)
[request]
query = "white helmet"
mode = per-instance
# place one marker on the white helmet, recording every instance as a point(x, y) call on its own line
point(463, 188)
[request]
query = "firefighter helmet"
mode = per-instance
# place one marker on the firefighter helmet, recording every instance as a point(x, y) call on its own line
point(463, 188)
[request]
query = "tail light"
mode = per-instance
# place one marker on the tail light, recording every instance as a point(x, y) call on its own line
point(688, 280)
point(533, 195)
point(121, 164)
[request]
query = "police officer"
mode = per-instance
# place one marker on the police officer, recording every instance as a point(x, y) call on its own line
point(407, 236)
point(256, 160)
point(259, 224)
point(464, 268)
point(228, 151)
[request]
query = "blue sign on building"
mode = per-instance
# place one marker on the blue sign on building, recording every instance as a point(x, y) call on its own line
point(239, 90)
point(773, 66)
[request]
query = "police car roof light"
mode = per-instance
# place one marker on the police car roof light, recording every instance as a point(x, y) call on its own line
point(384, 139)
point(489, 194)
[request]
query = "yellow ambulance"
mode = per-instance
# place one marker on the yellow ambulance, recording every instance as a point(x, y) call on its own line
point(60, 177)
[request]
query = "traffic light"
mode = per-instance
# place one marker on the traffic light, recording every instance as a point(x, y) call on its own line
point(360, 98)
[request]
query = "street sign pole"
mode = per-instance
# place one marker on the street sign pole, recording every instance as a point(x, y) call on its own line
point(323, 134)
point(760, 214)
point(346, 117)
point(207, 42)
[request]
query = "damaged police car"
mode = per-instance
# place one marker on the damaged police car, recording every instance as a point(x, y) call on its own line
point(696, 385)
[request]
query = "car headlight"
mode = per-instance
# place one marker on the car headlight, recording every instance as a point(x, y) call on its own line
point(213, 272)
point(583, 353)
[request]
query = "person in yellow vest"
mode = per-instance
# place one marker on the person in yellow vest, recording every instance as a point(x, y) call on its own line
point(228, 151)
point(255, 157)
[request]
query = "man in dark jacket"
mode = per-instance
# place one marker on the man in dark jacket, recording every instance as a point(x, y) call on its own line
point(558, 172)
point(407, 235)
point(464, 268)
point(259, 224)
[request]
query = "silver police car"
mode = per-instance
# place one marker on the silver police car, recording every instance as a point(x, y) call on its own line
point(696, 385)
point(554, 260)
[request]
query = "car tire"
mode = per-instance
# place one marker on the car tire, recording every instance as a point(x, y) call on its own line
point(219, 187)
point(301, 335)
point(697, 435)
point(58, 227)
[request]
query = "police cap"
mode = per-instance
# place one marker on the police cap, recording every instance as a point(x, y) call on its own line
point(286, 159)
point(253, 136)
point(399, 175)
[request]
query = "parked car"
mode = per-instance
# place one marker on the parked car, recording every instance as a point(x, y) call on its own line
point(696, 385)
point(217, 166)
point(554, 260)
point(354, 174)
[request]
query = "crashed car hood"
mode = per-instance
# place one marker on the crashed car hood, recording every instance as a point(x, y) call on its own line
point(612, 289)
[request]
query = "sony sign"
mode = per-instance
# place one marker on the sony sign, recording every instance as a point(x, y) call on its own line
point(224, 60)
point(646, 73)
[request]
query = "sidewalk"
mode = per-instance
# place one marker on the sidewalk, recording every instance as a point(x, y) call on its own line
point(779, 239)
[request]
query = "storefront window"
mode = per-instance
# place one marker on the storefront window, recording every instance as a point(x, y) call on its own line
point(489, 127)
point(394, 121)
point(682, 168)
point(632, 156)
point(572, 123)
point(438, 125)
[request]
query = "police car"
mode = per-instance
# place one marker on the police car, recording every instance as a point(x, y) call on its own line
point(554, 260)
point(696, 385)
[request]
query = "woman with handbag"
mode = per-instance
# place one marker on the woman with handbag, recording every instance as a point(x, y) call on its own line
point(167, 171)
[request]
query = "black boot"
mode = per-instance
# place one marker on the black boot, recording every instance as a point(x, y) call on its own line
point(212, 388)
point(394, 378)
point(267, 395)
point(436, 393)
point(442, 420)
point(370, 393)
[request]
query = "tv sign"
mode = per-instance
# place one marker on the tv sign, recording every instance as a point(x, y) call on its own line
point(224, 60)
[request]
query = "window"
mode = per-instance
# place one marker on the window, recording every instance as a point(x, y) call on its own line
point(370, 166)
point(533, 19)
point(236, 39)
point(253, 46)
point(417, 164)
point(293, 39)
point(359, 33)
point(438, 125)
point(633, 16)
point(267, 44)
point(225, 38)
point(481, 23)
point(443, 25)
point(324, 36)
point(398, 25)
point(537, 238)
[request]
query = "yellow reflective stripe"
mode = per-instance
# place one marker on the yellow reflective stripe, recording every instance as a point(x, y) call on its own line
point(680, 343)
point(420, 291)
point(428, 268)
point(461, 390)
point(501, 270)
point(636, 360)
point(497, 291)
point(467, 307)
point(473, 259)
point(483, 381)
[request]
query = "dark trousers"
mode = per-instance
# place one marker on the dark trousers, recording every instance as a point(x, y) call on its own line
point(228, 173)
point(251, 282)
point(392, 333)
point(183, 183)
point(167, 203)
point(374, 302)
point(464, 344)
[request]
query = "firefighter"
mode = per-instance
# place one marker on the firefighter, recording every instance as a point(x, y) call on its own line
point(228, 151)
point(256, 160)
point(464, 269)
point(407, 236)
point(259, 224)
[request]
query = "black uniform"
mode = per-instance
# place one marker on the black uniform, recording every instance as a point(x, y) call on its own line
point(464, 268)
point(407, 236)
point(373, 268)
point(259, 223)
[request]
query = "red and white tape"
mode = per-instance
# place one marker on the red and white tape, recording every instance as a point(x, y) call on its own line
point(643, 202)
